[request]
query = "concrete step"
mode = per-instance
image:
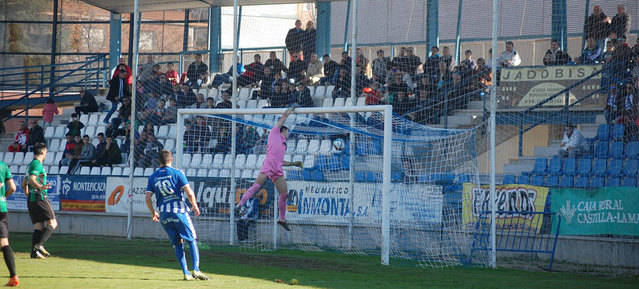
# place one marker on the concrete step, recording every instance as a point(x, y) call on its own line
point(476, 105)
point(600, 119)
point(546, 152)
point(517, 169)
point(463, 118)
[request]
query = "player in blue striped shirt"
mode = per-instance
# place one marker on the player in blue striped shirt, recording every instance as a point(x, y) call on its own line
point(168, 185)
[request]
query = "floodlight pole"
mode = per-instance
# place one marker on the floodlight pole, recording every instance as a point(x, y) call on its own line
point(233, 124)
point(493, 127)
point(136, 32)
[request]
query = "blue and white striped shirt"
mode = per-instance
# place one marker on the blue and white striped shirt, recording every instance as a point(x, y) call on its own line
point(167, 183)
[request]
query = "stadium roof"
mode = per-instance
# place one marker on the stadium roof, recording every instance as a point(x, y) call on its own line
point(126, 6)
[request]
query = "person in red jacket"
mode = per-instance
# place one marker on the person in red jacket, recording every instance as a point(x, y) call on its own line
point(22, 137)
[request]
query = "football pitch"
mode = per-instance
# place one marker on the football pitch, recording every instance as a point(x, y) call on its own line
point(101, 262)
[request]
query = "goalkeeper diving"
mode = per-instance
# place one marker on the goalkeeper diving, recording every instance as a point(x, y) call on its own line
point(272, 167)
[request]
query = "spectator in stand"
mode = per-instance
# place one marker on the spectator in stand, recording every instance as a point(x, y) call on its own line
point(48, 111)
point(196, 69)
point(21, 140)
point(274, 64)
point(280, 94)
point(572, 143)
point(592, 53)
point(612, 105)
point(75, 155)
point(635, 49)
point(303, 95)
point(381, 65)
point(171, 74)
point(253, 73)
point(620, 23)
point(210, 102)
point(69, 148)
point(400, 61)
point(156, 118)
point(482, 76)
point(297, 67)
point(315, 70)
point(129, 73)
point(226, 100)
point(152, 82)
point(468, 64)
point(146, 71)
point(118, 89)
point(75, 125)
point(309, 41)
point(597, 26)
point(510, 57)
point(199, 101)
point(343, 85)
point(330, 68)
point(361, 60)
point(346, 61)
point(295, 38)
point(166, 87)
point(446, 66)
point(395, 86)
point(373, 94)
point(151, 152)
point(630, 113)
point(556, 56)
point(431, 68)
point(87, 102)
point(100, 150)
point(185, 96)
point(401, 103)
point(227, 77)
point(87, 154)
point(112, 154)
point(412, 61)
point(170, 116)
point(36, 135)
point(266, 85)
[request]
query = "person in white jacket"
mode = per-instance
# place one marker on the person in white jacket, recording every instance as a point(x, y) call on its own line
point(510, 57)
point(572, 143)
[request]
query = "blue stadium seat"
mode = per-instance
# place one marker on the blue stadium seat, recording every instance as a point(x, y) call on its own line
point(630, 168)
point(616, 150)
point(360, 176)
point(294, 175)
point(523, 180)
point(632, 150)
point(629, 182)
point(538, 180)
point(615, 168)
point(509, 179)
point(617, 132)
point(540, 166)
point(464, 178)
point(373, 177)
point(444, 179)
point(597, 182)
point(599, 167)
point(424, 179)
point(570, 167)
point(567, 182)
point(613, 182)
point(345, 162)
point(552, 181)
point(554, 167)
point(601, 149)
point(584, 166)
point(603, 132)
point(397, 176)
point(582, 182)
point(306, 174)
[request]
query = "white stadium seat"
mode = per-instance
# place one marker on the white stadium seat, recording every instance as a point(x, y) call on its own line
point(17, 158)
point(126, 171)
point(207, 160)
point(202, 172)
point(325, 146)
point(169, 145)
point(148, 172)
point(290, 146)
point(106, 171)
point(163, 131)
point(191, 172)
point(54, 145)
point(84, 118)
point(327, 102)
point(313, 146)
point(138, 172)
point(262, 103)
point(8, 158)
point(218, 160)
point(59, 132)
point(53, 170)
point(309, 162)
point(116, 171)
point(250, 161)
point(186, 160)
point(251, 103)
point(28, 157)
point(329, 91)
point(213, 173)
point(361, 101)
point(240, 161)
point(302, 146)
point(95, 171)
point(63, 170)
point(49, 132)
point(320, 91)
point(196, 159)
point(85, 170)
point(339, 102)
point(247, 174)
point(93, 120)
point(260, 161)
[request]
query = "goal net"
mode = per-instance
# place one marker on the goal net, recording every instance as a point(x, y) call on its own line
point(337, 200)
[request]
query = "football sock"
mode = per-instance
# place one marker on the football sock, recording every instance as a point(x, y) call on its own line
point(9, 260)
point(46, 233)
point(195, 255)
point(36, 237)
point(281, 205)
point(179, 254)
point(249, 193)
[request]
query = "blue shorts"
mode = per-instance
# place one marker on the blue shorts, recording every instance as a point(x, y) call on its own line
point(178, 226)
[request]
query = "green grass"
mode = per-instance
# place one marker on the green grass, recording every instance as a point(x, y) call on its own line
point(97, 262)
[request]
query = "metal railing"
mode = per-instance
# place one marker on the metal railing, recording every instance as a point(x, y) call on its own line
point(19, 84)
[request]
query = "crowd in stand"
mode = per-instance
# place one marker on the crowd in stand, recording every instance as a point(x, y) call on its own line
point(422, 91)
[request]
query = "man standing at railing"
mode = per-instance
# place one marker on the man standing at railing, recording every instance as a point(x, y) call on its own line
point(510, 57)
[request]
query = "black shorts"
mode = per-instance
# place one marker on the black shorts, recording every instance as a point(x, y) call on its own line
point(40, 211)
point(4, 225)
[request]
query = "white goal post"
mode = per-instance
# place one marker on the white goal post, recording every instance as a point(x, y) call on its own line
point(385, 110)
